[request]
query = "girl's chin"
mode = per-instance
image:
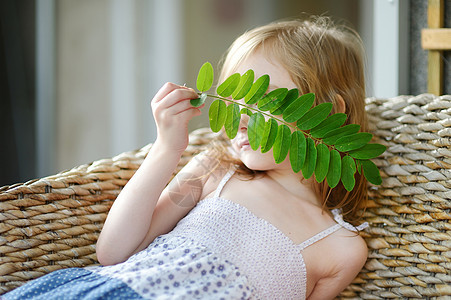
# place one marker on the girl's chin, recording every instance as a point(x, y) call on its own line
point(257, 163)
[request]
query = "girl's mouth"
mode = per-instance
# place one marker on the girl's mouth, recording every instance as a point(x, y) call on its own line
point(244, 145)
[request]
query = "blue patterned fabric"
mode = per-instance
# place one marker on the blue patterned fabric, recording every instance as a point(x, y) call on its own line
point(176, 267)
point(172, 267)
point(75, 283)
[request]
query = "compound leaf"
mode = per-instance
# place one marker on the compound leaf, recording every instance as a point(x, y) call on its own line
point(244, 86)
point(348, 170)
point(304, 154)
point(282, 143)
point(371, 172)
point(353, 141)
point(229, 85)
point(232, 121)
point(368, 151)
point(358, 165)
point(279, 106)
point(315, 116)
point(297, 150)
point(269, 135)
point(322, 162)
point(217, 115)
point(246, 111)
point(334, 172)
point(199, 101)
point(298, 108)
point(330, 123)
point(332, 137)
point(255, 128)
point(272, 98)
point(205, 77)
point(257, 90)
point(310, 159)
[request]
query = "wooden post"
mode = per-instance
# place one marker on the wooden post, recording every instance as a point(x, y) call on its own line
point(435, 62)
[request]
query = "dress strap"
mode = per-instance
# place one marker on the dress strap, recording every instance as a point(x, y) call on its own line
point(319, 236)
point(223, 181)
point(338, 217)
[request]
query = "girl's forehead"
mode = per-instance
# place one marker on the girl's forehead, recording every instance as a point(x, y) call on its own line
point(262, 64)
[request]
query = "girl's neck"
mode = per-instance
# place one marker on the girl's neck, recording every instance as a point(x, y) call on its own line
point(295, 184)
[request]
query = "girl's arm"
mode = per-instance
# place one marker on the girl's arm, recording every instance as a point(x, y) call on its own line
point(347, 260)
point(180, 196)
point(134, 211)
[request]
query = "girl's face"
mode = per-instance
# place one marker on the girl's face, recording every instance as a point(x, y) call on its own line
point(279, 78)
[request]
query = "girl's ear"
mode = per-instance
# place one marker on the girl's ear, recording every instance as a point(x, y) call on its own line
point(341, 104)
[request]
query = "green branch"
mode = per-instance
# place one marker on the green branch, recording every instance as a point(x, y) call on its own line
point(313, 145)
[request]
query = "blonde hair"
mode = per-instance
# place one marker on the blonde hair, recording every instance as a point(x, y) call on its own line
point(320, 58)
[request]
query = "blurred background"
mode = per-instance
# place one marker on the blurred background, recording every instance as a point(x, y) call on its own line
point(77, 77)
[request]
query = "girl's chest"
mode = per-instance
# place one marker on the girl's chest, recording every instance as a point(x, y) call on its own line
point(292, 216)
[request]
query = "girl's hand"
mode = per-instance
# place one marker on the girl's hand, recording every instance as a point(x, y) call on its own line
point(172, 111)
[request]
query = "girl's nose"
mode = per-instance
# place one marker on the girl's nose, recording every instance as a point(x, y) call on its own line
point(243, 122)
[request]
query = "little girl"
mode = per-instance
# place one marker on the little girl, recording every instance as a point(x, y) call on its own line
point(233, 224)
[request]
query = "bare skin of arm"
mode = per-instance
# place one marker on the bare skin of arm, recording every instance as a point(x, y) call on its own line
point(134, 212)
point(340, 269)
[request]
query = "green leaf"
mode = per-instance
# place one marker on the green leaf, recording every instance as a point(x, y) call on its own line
point(334, 172)
point(282, 143)
point(244, 86)
point(371, 172)
point(332, 137)
point(315, 116)
point(348, 170)
point(205, 77)
point(279, 106)
point(358, 165)
point(246, 111)
point(368, 151)
point(298, 108)
point(255, 128)
point(273, 97)
point(330, 123)
point(199, 101)
point(217, 115)
point(257, 90)
point(322, 162)
point(310, 159)
point(269, 135)
point(229, 85)
point(232, 121)
point(298, 148)
point(353, 141)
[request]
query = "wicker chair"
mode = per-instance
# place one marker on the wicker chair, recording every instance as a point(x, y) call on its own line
point(53, 222)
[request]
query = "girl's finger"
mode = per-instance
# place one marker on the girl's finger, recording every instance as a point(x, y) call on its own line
point(181, 106)
point(168, 88)
point(163, 91)
point(188, 114)
point(176, 96)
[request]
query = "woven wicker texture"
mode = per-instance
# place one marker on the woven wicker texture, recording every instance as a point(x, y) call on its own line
point(54, 222)
point(409, 214)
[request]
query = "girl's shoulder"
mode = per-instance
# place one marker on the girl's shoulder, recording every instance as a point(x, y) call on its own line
point(208, 169)
point(333, 273)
